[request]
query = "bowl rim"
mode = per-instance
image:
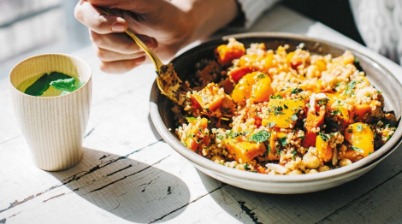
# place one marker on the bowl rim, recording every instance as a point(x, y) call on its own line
point(380, 154)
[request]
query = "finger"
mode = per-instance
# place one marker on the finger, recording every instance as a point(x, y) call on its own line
point(110, 56)
point(91, 17)
point(121, 66)
point(121, 43)
point(141, 6)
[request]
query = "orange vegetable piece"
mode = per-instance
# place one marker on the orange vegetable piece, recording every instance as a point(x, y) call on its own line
point(339, 111)
point(268, 61)
point(314, 120)
point(361, 137)
point(208, 98)
point(242, 90)
point(255, 86)
point(309, 139)
point(273, 153)
point(321, 64)
point(238, 73)
point(360, 110)
point(261, 90)
point(283, 112)
point(324, 152)
point(226, 53)
point(244, 151)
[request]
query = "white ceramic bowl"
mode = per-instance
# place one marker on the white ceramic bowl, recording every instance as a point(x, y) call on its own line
point(380, 77)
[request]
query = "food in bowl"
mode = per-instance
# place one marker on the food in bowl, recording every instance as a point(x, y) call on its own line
point(281, 112)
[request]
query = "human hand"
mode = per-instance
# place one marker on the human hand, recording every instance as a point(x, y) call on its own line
point(164, 26)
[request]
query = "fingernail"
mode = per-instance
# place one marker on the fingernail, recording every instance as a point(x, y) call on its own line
point(150, 42)
point(118, 27)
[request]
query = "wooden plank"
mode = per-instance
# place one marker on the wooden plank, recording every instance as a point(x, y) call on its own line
point(252, 207)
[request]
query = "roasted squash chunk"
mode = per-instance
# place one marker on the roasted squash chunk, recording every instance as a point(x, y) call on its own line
point(244, 151)
point(283, 112)
point(361, 137)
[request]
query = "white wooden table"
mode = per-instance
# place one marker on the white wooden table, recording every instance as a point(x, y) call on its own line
point(130, 175)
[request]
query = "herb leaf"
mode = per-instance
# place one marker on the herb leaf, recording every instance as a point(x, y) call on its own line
point(260, 136)
point(359, 150)
point(38, 87)
point(323, 136)
point(58, 80)
point(351, 86)
point(64, 84)
point(283, 141)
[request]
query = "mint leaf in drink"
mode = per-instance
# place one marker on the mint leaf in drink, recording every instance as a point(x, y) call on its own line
point(64, 84)
point(38, 87)
point(53, 76)
point(57, 80)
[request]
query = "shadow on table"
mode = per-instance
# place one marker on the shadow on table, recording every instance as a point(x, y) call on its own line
point(355, 200)
point(127, 188)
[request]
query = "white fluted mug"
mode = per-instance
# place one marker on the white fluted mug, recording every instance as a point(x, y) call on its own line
point(53, 126)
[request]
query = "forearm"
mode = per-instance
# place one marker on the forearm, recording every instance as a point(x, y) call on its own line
point(253, 9)
point(211, 15)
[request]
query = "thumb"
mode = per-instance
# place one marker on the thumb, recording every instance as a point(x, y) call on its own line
point(97, 20)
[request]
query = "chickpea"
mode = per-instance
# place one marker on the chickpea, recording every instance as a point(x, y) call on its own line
point(345, 162)
point(323, 168)
point(217, 159)
point(312, 171)
point(295, 172)
point(311, 161)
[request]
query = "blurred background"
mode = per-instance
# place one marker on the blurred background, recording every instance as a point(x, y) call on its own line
point(29, 27)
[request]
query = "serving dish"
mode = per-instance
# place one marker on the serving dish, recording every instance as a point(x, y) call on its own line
point(379, 76)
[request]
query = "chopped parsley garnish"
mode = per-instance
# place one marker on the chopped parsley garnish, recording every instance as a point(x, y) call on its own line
point(335, 112)
point(260, 136)
point(359, 150)
point(323, 102)
point(246, 166)
point(278, 110)
point(233, 134)
point(261, 76)
point(323, 136)
point(351, 86)
point(283, 141)
point(191, 119)
point(359, 127)
point(276, 97)
point(220, 137)
point(296, 90)
point(294, 153)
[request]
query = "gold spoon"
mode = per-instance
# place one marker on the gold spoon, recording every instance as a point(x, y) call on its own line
point(168, 82)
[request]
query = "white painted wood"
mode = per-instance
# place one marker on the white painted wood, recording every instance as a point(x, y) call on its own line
point(129, 175)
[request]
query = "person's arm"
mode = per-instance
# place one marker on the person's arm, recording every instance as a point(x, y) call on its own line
point(379, 24)
point(253, 9)
point(165, 26)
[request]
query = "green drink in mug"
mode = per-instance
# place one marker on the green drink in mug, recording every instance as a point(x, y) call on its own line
point(51, 94)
